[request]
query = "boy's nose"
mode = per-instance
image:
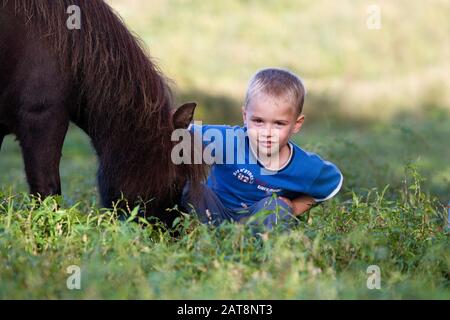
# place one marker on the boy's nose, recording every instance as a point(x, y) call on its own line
point(269, 133)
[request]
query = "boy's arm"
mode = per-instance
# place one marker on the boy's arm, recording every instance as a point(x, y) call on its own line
point(300, 204)
point(326, 185)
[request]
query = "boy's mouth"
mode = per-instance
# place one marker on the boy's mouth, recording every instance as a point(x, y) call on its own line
point(265, 142)
point(267, 146)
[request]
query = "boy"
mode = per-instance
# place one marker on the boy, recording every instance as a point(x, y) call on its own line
point(264, 170)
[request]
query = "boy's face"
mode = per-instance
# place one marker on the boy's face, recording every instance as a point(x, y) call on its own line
point(271, 121)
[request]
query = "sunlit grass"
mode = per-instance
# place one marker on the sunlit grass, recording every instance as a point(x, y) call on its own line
point(214, 47)
point(326, 257)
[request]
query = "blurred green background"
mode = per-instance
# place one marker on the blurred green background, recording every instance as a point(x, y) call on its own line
point(377, 100)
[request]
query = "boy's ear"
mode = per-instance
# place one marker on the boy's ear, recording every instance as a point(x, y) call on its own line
point(183, 116)
point(243, 115)
point(299, 123)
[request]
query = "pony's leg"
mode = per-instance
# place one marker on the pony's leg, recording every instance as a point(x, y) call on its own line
point(3, 133)
point(41, 135)
point(108, 190)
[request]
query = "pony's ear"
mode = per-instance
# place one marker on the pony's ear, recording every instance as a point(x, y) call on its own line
point(184, 115)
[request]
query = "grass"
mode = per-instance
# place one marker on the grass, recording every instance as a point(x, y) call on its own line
point(211, 49)
point(326, 257)
point(386, 216)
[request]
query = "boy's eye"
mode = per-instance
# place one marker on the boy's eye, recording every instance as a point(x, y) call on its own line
point(257, 120)
point(280, 123)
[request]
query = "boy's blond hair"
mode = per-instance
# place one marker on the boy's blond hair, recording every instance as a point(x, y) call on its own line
point(277, 83)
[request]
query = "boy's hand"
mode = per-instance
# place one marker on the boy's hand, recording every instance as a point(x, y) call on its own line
point(299, 205)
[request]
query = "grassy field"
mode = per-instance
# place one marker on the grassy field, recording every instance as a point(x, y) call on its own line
point(378, 106)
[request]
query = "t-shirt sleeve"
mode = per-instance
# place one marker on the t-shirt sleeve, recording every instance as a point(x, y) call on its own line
point(213, 138)
point(205, 127)
point(327, 184)
point(209, 132)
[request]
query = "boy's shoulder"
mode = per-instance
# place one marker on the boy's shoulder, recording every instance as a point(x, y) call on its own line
point(324, 179)
point(309, 157)
point(198, 125)
point(224, 132)
point(310, 163)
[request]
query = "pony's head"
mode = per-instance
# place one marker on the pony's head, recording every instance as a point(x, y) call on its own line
point(162, 177)
point(191, 171)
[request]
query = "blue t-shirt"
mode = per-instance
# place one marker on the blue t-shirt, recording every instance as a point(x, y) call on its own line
point(240, 180)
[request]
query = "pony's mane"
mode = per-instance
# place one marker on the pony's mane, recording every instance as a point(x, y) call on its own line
point(128, 100)
point(103, 54)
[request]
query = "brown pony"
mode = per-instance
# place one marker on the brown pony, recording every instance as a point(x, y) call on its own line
point(100, 78)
